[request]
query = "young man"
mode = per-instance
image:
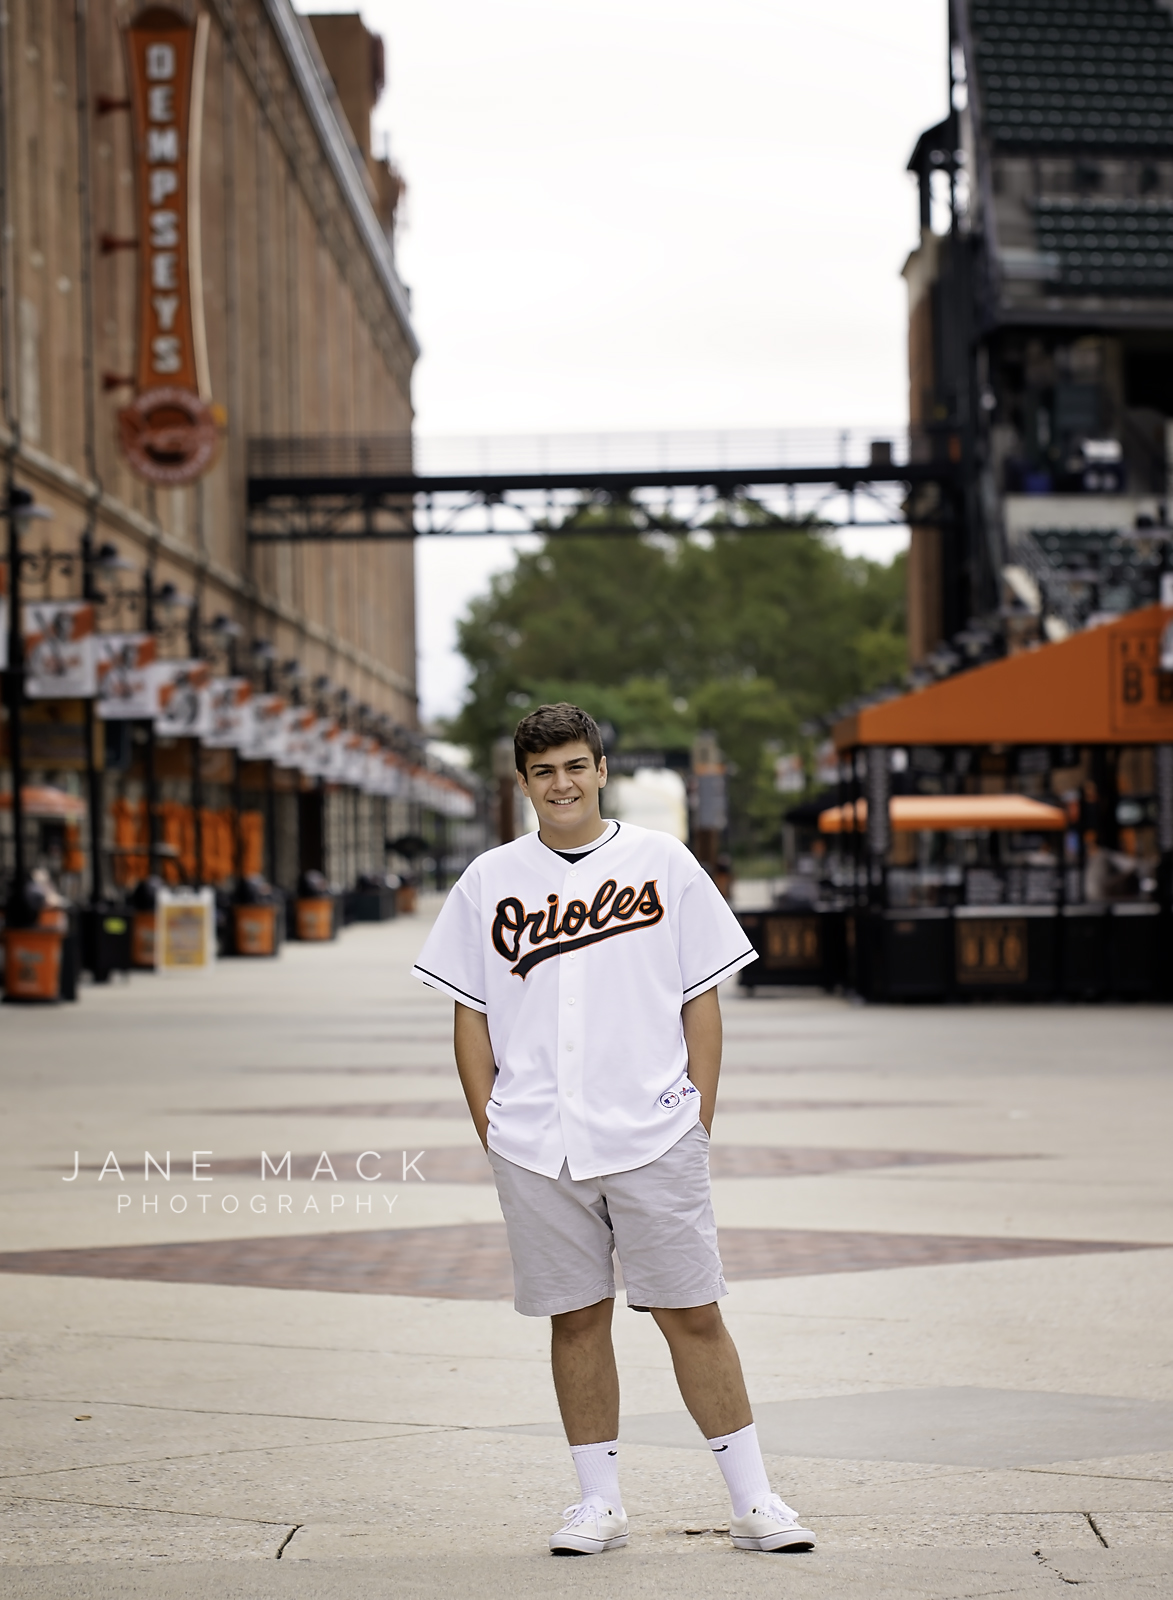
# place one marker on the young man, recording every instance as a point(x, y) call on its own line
point(584, 961)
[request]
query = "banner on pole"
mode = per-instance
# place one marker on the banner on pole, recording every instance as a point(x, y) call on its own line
point(268, 730)
point(127, 681)
point(231, 714)
point(185, 700)
point(59, 650)
point(300, 738)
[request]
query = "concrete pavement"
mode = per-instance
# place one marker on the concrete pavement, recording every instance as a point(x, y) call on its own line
point(947, 1231)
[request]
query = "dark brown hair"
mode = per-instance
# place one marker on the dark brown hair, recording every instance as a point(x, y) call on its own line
point(551, 726)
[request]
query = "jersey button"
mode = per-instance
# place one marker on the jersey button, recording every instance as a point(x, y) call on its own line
point(570, 1002)
point(570, 1047)
point(570, 1094)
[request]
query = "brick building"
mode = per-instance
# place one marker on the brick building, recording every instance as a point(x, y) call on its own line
point(239, 169)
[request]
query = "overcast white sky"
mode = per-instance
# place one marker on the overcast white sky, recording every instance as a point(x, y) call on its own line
point(631, 214)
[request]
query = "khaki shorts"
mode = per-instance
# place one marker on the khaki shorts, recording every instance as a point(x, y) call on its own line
point(658, 1218)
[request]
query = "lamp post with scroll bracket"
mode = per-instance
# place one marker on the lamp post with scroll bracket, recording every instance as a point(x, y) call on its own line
point(349, 803)
point(362, 812)
point(225, 631)
point(21, 509)
point(264, 654)
point(97, 565)
point(320, 689)
point(307, 803)
point(164, 614)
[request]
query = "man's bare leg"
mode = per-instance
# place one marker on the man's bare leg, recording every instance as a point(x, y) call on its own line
point(585, 1377)
point(708, 1369)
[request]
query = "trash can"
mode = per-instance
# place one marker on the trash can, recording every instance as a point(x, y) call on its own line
point(256, 923)
point(32, 952)
point(373, 899)
point(142, 923)
point(314, 910)
point(105, 940)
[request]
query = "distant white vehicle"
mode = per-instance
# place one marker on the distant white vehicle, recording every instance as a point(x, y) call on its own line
point(653, 797)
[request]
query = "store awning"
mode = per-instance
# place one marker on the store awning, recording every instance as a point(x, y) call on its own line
point(910, 813)
point(40, 800)
point(1102, 686)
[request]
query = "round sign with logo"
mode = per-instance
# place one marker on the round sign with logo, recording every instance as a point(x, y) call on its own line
point(169, 436)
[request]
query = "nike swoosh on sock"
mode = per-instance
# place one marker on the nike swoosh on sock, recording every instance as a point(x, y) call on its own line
point(717, 1449)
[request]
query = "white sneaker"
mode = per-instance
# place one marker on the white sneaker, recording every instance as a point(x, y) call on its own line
point(590, 1529)
point(772, 1525)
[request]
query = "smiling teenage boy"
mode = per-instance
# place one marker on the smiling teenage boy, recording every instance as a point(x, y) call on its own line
point(584, 962)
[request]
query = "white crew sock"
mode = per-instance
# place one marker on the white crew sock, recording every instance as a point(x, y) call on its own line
point(597, 1466)
point(739, 1457)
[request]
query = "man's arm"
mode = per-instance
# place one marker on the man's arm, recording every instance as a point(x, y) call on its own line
point(702, 1036)
point(475, 1064)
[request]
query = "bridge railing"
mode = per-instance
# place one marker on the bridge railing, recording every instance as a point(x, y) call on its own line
point(434, 455)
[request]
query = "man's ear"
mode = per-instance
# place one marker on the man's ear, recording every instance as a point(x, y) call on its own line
point(522, 784)
point(602, 772)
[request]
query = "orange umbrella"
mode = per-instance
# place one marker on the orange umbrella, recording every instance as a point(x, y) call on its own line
point(40, 800)
point(909, 813)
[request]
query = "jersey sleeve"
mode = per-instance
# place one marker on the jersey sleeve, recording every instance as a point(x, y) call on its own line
point(712, 943)
point(453, 956)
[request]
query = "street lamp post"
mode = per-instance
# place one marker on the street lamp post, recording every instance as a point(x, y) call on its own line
point(263, 655)
point(152, 781)
point(93, 564)
point(21, 509)
point(197, 776)
point(227, 632)
point(162, 598)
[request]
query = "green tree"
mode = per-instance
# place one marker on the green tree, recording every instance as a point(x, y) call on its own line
point(746, 632)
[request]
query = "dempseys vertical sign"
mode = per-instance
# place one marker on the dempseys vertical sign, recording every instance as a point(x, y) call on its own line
point(170, 431)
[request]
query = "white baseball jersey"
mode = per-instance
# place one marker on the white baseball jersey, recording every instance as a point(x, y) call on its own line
point(581, 967)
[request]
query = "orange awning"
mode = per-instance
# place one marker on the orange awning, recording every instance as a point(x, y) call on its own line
point(40, 800)
point(1101, 686)
point(910, 813)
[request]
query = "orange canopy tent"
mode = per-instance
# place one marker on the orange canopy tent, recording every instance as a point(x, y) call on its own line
point(1102, 686)
point(910, 813)
point(45, 802)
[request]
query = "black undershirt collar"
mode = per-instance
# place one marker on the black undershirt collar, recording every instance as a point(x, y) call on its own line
point(575, 856)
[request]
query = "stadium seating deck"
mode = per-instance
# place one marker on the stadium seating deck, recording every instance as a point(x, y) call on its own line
point(1061, 75)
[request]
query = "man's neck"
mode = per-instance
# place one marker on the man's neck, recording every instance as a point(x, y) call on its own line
point(574, 838)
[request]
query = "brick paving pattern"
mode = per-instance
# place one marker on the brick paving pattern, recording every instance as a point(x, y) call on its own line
point(467, 1163)
point(471, 1262)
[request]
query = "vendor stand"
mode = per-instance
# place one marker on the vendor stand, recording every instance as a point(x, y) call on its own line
point(1009, 831)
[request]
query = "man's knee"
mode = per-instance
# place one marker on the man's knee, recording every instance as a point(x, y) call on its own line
point(588, 1320)
point(690, 1322)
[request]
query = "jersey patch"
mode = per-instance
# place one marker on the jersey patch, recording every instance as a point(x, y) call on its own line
point(612, 911)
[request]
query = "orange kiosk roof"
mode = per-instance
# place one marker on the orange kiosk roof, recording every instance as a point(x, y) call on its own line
point(910, 813)
point(1102, 686)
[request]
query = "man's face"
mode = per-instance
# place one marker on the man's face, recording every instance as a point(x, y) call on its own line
point(563, 784)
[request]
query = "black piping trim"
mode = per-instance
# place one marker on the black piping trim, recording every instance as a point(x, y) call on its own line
point(748, 952)
point(448, 985)
point(591, 849)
